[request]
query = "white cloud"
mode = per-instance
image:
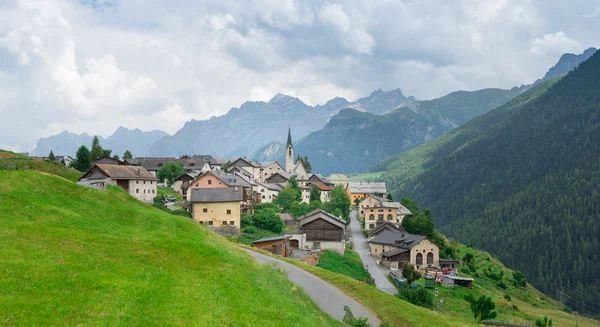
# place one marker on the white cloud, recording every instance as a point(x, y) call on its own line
point(592, 14)
point(69, 65)
point(555, 43)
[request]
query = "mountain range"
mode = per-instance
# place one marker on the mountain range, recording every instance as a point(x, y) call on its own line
point(136, 141)
point(242, 130)
point(521, 182)
point(351, 142)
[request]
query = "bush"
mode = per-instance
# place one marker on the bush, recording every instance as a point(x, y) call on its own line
point(159, 199)
point(181, 212)
point(507, 297)
point(502, 285)
point(543, 322)
point(410, 274)
point(350, 320)
point(268, 219)
point(515, 307)
point(519, 279)
point(465, 270)
point(246, 220)
point(269, 205)
point(420, 296)
point(482, 308)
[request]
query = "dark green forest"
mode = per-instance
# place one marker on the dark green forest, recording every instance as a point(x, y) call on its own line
point(522, 182)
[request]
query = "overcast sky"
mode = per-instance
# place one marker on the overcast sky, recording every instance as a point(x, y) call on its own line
point(90, 66)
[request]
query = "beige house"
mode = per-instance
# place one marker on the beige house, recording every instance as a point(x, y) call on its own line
point(370, 209)
point(216, 206)
point(396, 247)
point(135, 180)
point(361, 189)
point(268, 192)
point(379, 214)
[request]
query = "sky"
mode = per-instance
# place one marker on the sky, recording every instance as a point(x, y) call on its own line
point(93, 65)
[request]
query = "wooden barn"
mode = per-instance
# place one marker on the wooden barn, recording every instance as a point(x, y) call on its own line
point(320, 230)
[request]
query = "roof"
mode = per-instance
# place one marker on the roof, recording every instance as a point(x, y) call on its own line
point(248, 161)
point(271, 186)
point(153, 163)
point(289, 139)
point(402, 210)
point(286, 216)
point(386, 225)
point(338, 177)
point(274, 238)
point(229, 179)
point(319, 213)
point(394, 252)
point(398, 239)
point(366, 187)
point(221, 194)
point(322, 186)
point(189, 175)
point(459, 278)
point(122, 172)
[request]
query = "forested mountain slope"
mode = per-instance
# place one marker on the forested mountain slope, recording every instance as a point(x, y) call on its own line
point(522, 182)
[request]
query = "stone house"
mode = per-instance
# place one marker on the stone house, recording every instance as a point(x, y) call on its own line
point(396, 247)
point(320, 230)
point(135, 180)
point(361, 189)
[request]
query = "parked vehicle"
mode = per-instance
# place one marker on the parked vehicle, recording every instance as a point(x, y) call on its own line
point(170, 198)
point(428, 276)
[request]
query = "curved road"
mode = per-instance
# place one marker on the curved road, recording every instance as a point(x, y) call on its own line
point(361, 246)
point(328, 297)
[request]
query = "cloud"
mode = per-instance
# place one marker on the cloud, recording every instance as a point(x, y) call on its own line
point(90, 66)
point(555, 43)
point(592, 14)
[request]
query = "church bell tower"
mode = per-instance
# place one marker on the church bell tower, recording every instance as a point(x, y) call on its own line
point(289, 153)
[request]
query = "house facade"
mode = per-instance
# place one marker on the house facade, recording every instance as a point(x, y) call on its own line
point(216, 206)
point(135, 180)
point(278, 245)
point(268, 192)
point(320, 230)
point(379, 214)
point(361, 189)
point(396, 247)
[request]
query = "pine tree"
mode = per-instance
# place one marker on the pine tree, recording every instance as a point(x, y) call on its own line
point(307, 165)
point(389, 197)
point(116, 157)
point(97, 151)
point(127, 155)
point(51, 156)
point(83, 159)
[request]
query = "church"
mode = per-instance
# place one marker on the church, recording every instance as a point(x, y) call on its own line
point(292, 168)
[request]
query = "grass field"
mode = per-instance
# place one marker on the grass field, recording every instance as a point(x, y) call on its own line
point(76, 256)
point(9, 160)
point(348, 264)
point(168, 191)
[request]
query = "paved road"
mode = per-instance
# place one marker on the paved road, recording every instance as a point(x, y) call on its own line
point(328, 298)
point(361, 246)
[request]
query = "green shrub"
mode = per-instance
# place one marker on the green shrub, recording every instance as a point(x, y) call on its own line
point(159, 199)
point(250, 230)
point(181, 212)
point(543, 322)
point(269, 205)
point(410, 274)
point(352, 321)
point(507, 297)
point(502, 285)
point(482, 308)
point(465, 270)
point(519, 279)
point(515, 307)
point(268, 219)
point(420, 296)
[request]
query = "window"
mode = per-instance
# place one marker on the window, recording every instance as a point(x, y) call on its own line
point(200, 222)
point(144, 182)
point(371, 225)
point(224, 223)
point(144, 191)
point(380, 217)
point(196, 184)
point(232, 223)
point(209, 181)
point(390, 218)
point(137, 190)
point(389, 210)
point(152, 191)
point(137, 182)
point(229, 211)
point(263, 196)
point(371, 217)
point(205, 210)
point(210, 223)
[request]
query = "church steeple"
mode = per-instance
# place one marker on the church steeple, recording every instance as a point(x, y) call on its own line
point(289, 153)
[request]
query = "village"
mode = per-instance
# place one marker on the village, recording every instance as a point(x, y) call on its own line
point(327, 214)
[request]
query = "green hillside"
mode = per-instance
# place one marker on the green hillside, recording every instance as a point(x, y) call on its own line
point(13, 161)
point(522, 182)
point(76, 256)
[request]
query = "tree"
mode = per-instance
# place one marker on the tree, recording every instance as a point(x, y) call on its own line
point(293, 184)
point(337, 212)
point(170, 171)
point(420, 296)
point(410, 274)
point(51, 156)
point(226, 165)
point(307, 165)
point(116, 157)
point(339, 199)
point(389, 197)
point(300, 209)
point(127, 155)
point(83, 159)
point(106, 153)
point(315, 193)
point(286, 198)
point(350, 320)
point(268, 219)
point(520, 280)
point(410, 205)
point(543, 322)
point(97, 151)
point(482, 308)
point(356, 201)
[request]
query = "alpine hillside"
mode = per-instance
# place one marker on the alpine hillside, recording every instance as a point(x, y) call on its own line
point(522, 182)
point(136, 141)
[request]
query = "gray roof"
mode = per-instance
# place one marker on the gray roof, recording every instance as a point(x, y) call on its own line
point(229, 179)
point(120, 172)
point(367, 187)
point(289, 139)
point(398, 239)
point(271, 186)
point(386, 225)
point(223, 194)
point(319, 213)
point(394, 252)
point(274, 238)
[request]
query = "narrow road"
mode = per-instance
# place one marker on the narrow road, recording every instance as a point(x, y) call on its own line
point(361, 246)
point(328, 297)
